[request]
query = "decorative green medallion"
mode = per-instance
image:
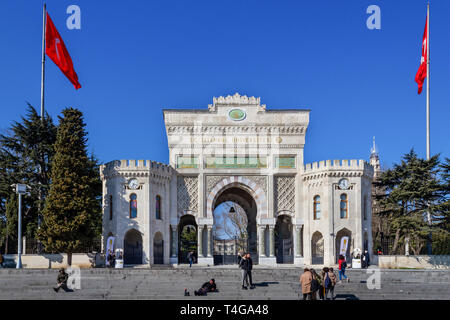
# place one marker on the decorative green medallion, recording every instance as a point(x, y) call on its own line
point(237, 114)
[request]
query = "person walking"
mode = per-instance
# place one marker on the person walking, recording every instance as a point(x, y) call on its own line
point(1, 260)
point(342, 267)
point(243, 265)
point(305, 283)
point(190, 257)
point(333, 280)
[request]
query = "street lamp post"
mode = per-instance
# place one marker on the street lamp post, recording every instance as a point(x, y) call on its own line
point(21, 189)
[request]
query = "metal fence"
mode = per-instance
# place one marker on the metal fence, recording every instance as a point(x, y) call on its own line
point(385, 246)
point(34, 246)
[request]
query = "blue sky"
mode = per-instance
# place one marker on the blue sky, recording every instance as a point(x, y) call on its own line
point(134, 58)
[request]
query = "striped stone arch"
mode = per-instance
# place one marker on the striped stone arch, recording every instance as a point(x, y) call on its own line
point(251, 187)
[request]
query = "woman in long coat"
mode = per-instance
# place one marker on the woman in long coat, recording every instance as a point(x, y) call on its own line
point(305, 282)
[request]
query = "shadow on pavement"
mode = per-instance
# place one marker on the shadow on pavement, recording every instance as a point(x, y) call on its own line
point(346, 297)
point(265, 284)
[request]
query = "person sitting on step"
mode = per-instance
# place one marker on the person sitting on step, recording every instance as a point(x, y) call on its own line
point(209, 286)
point(62, 281)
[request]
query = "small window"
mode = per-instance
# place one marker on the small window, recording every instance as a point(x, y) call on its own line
point(344, 206)
point(110, 207)
point(133, 206)
point(316, 208)
point(365, 208)
point(158, 207)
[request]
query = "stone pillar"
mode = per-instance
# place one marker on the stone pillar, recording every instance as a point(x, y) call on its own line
point(200, 241)
point(261, 244)
point(406, 246)
point(298, 252)
point(174, 242)
point(295, 236)
point(302, 249)
point(272, 240)
point(210, 242)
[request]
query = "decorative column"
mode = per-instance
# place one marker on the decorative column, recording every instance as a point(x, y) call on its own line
point(296, 231)
point(210, 242)
point(272, 240)
point(200, 241)
point(261, 244)
point(301, 242)
point(174, 242)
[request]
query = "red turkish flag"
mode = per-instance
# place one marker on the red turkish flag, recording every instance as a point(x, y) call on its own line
point(422, 72)
point(57, 51)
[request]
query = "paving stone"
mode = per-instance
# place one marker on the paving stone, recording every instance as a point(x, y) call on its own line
point(169, 284)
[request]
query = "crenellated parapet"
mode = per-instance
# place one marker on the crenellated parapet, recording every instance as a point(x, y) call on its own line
point(135, 168)
point(337, 168)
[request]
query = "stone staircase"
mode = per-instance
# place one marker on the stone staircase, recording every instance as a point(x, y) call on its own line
point(168, 283)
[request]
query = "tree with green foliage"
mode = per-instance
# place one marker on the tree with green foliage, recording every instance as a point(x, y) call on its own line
point(9, 230)
point(72, 211)
point(26, 150)
point(414, 194)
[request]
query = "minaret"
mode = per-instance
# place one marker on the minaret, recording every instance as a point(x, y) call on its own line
point(375, 160)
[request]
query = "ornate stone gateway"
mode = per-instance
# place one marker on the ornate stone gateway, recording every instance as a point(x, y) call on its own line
point(237, 151)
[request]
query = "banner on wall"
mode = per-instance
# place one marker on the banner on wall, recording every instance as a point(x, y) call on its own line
point(109, 247)
point(344, 246)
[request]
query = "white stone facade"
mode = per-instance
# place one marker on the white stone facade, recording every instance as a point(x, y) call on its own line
point(237, 150)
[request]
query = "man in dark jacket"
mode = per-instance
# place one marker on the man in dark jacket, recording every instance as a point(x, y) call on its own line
point(62, 280)
point(209, 286)
point(249, 270)
point(246, 265)
point(366, 259)
point(243, 266)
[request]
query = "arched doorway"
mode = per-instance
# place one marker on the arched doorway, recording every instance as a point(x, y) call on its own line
point(284, 248)
point(344, 239)
point(234, 230)
point(317, 248)
point(132, 247)
point(187, 238)
point(158, 248)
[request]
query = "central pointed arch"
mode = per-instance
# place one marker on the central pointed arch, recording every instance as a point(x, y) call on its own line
point(247, 185)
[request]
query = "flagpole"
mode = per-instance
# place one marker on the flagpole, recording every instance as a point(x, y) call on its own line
point(43, 62)
point(428, 81)
point(430, 240)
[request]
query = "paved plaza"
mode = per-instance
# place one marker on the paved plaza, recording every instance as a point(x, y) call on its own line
point(169, 283)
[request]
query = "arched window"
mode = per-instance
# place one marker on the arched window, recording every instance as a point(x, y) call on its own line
point(133, 205)
point(344, 206)
point(158, 207)
point(110, 207)
point(365, 208)
point(316, 208)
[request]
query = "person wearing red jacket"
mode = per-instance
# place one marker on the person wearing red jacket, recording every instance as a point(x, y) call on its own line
point(342, 266)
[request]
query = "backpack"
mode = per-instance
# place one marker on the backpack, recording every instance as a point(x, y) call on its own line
point(327, 281)
point(314, 285)
point(344, 264)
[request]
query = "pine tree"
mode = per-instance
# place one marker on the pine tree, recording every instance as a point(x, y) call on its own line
point(9, 234)
point(72, 210)
point(413, 190)
point(26, 150)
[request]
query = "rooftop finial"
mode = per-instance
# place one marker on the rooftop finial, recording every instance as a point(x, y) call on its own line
point(373, 150)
